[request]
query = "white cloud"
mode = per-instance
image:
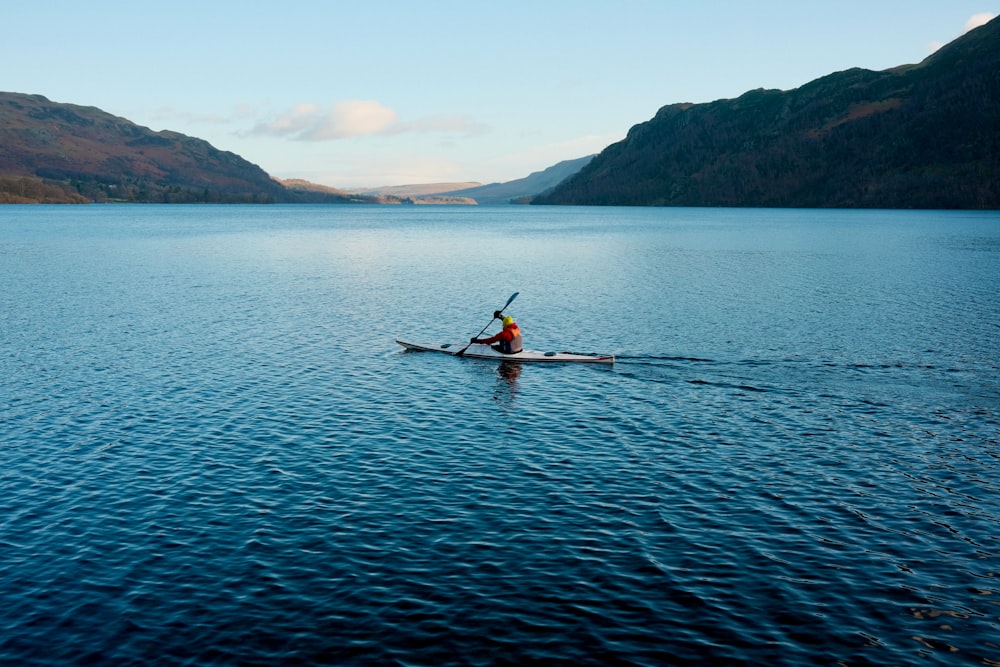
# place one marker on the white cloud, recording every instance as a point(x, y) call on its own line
point(301, 118)
point(358, 118)
point(352, 118)
point(977, 20)
point(974, 21)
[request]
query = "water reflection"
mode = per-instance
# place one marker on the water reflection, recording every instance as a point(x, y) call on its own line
point(508, 373)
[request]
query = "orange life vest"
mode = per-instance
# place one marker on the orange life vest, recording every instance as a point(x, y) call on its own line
point(510, 340)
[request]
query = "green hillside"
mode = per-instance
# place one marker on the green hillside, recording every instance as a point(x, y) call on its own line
point(52, 152)
point(917, 136)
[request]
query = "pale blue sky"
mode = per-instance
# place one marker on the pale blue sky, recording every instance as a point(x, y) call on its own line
point(381, 92)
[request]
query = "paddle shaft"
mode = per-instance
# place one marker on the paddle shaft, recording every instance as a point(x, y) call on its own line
point(512, 297)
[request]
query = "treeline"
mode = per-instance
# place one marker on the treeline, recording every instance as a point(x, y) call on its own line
point(26, 190)
point(34, 190)
point(23, 190)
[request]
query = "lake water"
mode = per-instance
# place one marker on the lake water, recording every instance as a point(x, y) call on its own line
point(214, 453)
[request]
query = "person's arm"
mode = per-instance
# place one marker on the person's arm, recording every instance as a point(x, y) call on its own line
point(491, 339)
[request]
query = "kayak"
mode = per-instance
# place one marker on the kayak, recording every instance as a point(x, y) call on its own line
point(480, 351)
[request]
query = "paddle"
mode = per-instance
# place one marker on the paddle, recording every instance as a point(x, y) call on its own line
point(495, 313)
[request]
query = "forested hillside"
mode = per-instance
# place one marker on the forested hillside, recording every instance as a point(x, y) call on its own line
point(97, 156)
point(917, 136)
point(51, 152)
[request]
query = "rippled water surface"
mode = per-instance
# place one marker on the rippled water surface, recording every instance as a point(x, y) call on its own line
point(213, 452)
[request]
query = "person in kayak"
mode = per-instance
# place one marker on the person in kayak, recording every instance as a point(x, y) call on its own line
point(508, 340)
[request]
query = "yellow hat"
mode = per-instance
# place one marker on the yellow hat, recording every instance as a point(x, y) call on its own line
point(507, 319)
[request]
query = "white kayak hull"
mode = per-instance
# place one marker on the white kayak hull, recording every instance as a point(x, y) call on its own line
point(479, 351)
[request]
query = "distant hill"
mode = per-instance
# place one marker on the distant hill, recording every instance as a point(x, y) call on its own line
point(915, 136)
point(522, 189)
point(302, 184)
point(416, 190)
point(298, 190)
point(517, 191)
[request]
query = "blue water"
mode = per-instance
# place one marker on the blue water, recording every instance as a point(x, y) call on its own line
point(212, 452)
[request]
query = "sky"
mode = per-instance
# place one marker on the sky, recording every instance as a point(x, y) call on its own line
point(373, 93)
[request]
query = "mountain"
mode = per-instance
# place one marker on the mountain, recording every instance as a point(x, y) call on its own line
point(104, 157)
point(915, 136)
point(523, 188)
point(64, 153)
